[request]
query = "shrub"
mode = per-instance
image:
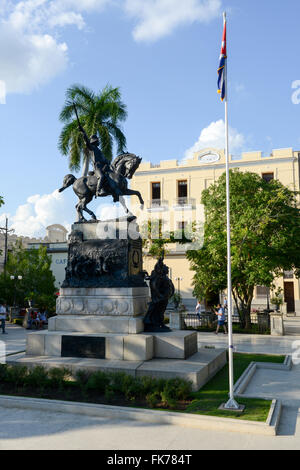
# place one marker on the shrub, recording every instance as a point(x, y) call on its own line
point(118, 382)
point(3, 373)
point(98, 381)
point(16, 375)
point(58, 377)
point(153, 399)
point(109, 394)
point(37, 377)
point(174, 390)
point(82, 378)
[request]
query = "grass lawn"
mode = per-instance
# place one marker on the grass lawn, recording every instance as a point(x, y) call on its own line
point(215, 392)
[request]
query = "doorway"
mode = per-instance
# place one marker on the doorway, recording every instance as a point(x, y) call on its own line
point(289, 296)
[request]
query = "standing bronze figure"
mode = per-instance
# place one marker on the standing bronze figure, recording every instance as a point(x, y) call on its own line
point(162, 289)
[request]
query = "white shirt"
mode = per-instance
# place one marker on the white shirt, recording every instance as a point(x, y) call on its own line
point(2, 312)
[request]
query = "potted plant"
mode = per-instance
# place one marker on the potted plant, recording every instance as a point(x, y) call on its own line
point(277, 298)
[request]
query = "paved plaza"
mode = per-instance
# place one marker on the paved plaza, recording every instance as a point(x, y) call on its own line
point(34, 429)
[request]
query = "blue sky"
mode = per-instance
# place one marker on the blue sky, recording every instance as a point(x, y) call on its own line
point(164, 57)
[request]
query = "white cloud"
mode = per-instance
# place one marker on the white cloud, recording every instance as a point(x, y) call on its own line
point(28, 61)
point(30, 55)
point(32, 218)
point(214, 136)
point(158, 18)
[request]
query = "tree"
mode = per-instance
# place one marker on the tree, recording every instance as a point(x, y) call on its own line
point(37, 282)
point(265, 237)
point(155, 241)
point(99, 114)
point(156, 238)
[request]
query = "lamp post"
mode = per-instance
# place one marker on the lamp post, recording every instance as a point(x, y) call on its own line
point(15, 278)
point(178, 279)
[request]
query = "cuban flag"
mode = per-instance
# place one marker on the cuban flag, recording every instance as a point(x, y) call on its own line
point(221, 69)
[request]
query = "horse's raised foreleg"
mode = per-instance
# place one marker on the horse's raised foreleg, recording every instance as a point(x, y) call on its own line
point(123, 204)
point(132, 192)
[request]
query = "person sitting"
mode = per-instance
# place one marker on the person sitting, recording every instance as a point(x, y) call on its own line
point(43, 319)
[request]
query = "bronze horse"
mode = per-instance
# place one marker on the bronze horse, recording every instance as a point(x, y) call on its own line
point(122, 168)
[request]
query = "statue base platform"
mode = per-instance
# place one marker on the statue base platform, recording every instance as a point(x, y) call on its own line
point(111, 346)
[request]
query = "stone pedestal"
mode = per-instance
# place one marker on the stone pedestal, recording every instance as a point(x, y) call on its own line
point(176, 321)
point(277, 325)
point(103, 302)
point(105, 254)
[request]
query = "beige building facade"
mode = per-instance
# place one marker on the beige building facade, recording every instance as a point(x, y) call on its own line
point(57, 247)
point(172, 192)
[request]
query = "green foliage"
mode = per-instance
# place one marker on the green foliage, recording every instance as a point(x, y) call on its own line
point(109, 385)
point(37, 279)
point(16, 375)
point(37, 378)
point(82, 377)
point(277, 298)
point(176, 299)
point(153, 399)
point(265, 238)
point(98, 382)
point(58, 377)
point(99, 114)
point(155, 240)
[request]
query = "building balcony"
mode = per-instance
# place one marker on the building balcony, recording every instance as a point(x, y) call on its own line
point(184, 203)
point(157, 205)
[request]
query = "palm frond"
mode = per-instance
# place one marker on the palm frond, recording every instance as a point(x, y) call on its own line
point(118, 136)
point(106, 142)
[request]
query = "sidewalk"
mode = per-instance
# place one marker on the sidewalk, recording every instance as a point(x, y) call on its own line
point(256, 344)
point(15, 340)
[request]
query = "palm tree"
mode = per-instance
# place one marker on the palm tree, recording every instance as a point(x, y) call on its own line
point(99, 114)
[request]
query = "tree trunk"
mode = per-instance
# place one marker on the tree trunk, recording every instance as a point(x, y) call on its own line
point(86, 165)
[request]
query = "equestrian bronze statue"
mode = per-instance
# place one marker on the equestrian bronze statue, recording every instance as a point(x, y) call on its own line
point(107, 179)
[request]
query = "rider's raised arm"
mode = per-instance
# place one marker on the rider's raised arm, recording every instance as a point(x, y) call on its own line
point(86, 139)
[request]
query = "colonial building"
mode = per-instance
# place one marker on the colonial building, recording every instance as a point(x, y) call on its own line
point(57, 247)
point(56, 243)
point(172, 192)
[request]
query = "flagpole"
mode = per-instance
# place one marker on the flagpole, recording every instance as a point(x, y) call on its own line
point(231, 404)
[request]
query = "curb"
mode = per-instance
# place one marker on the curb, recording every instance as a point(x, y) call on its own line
point(150, 416)
point(243, 382)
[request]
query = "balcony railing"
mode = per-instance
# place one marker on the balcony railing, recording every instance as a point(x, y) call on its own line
point(158, 204)
point(184, 202)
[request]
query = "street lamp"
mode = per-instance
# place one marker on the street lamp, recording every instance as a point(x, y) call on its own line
point(179, 279)
point(15, 278)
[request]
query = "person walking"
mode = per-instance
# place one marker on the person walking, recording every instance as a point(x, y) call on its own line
point(198, 309)
point(220, 312)
point(3, 314)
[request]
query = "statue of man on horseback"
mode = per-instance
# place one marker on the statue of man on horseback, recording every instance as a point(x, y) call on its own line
point(106, 179)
